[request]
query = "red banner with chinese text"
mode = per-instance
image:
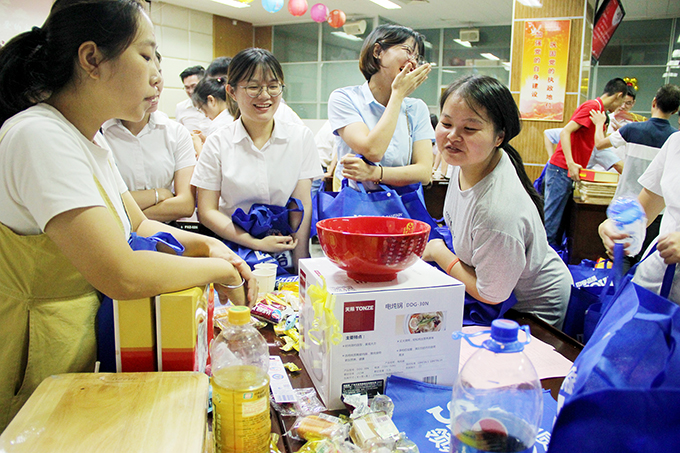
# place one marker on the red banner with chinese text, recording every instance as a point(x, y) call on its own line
point(544, 70)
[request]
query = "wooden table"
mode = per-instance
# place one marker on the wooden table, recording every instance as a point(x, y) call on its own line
point(564, 344)
point(584, 219)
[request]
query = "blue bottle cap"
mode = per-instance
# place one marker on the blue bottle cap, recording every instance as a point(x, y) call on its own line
point(504, 330)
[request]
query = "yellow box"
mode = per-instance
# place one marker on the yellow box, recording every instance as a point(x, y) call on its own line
point(182, 330)
point(135, 336)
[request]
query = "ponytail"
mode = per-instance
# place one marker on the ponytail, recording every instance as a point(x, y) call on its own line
point(37, 63)
point(517, 162)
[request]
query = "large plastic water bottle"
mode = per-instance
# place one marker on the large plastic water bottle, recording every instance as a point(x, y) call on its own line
point(240, 385)
point(497, 400)
point(629, 217)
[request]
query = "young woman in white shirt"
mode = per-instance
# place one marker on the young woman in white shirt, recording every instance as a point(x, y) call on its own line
point(378, 120)
point(257, 159)
point(155, 157)
point(66, 213)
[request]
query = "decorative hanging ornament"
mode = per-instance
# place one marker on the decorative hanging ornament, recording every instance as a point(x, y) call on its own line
point(319, 12)
point(297, 7)
point(336, 18)
point(272, 6)
point(631, 81)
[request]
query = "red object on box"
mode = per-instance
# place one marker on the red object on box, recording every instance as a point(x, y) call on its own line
point(373, 249)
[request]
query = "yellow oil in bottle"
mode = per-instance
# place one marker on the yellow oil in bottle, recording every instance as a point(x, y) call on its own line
point(241, 422)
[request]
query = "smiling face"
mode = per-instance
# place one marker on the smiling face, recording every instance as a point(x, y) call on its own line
point(465, 137)
point(131, 82)
point(395, 58)
point(259, 109)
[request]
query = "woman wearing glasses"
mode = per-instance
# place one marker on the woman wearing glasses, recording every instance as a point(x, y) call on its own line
point(256, 159)
point(377, 120)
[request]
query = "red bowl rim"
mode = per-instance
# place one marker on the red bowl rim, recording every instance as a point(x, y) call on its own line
point(320, 226)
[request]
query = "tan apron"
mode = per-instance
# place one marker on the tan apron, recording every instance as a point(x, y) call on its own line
point(47, 316)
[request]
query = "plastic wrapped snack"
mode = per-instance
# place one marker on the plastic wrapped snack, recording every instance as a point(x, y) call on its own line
point(315, 427)
point(372, 427)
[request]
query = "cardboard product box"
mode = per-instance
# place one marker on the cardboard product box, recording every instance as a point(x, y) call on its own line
point(402, 327)
point(134, 335)
point(183, 329)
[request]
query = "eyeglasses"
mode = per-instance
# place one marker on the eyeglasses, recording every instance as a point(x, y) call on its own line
point(273, 89)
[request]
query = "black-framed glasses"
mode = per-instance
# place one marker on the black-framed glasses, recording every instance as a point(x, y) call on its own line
point(273, 89)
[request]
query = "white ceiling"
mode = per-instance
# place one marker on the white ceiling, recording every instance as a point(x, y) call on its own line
point(418, 13)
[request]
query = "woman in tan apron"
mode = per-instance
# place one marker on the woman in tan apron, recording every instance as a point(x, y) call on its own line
point(66, 213)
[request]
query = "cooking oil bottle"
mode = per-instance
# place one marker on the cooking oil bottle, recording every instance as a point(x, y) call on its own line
point(240, 385)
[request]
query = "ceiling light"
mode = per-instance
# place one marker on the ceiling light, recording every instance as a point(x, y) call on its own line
point(232, 3)
point(387, 4)
point(449, 71)
point(531, 3)
point(463, 43)
point(342, 34)
point(489, 56)
point(427, 44)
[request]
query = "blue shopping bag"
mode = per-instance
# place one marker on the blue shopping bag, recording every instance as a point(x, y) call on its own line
point(585, 292)
point(421, 410)
point(264, 220)
point(623, 392)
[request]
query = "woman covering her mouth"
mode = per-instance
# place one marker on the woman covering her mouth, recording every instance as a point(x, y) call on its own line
point(378, 120)
point(257, 159)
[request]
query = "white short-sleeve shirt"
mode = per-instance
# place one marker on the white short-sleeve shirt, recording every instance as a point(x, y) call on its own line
point(230, 163)
point(48, 167)
point(221, 120)
point(190, 117)
point(663, 178)
point(150, 159)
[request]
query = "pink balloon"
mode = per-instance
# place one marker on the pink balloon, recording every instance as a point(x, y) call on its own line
point(297, 7)
point(319, 12)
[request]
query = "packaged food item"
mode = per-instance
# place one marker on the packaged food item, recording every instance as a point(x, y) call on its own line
point(321, 426)
point(372, 427)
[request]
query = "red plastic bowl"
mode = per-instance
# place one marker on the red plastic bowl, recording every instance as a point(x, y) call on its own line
point(373, 249)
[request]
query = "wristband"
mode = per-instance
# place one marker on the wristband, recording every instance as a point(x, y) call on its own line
point(155, 191)
point(243, 280)
point(450, 266)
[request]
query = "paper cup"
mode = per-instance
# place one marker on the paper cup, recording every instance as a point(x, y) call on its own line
point(266, 278)
point(270, 266)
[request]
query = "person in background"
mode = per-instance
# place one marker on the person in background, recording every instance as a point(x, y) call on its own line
point(440, 169)
point(491, 208)
point(186, 113)
point(660, 189)
point(623, 114)
point(326, 144)
point(155, 157)
point(210, 97)
point(640, 143)
point(378, 120)
point(66, 214)
point(257, 159)
point(577, 141)
point(600, 159)
point(218, 67)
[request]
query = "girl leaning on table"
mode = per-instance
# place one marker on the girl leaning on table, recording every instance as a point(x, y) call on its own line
point(156, 158)
point(378, 120)
point(66, 213)
point(257, 159)
point(491, 207)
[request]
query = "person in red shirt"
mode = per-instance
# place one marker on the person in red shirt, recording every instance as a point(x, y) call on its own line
point(577, 140)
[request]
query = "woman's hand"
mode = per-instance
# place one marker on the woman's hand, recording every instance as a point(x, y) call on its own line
point(249, 291)
point(236, 292)
point(356, 169)
point(669, 247)
point(610, 235)
point(410, 78)
point(276, 244)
